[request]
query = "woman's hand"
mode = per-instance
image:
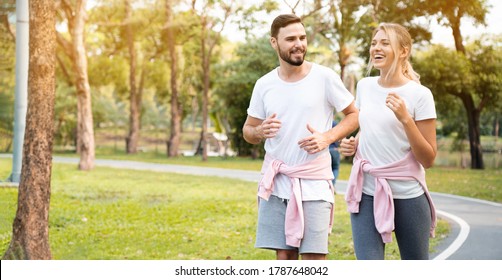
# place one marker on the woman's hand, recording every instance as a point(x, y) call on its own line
point(398, 106)
point(315, 142)
point(348, 146)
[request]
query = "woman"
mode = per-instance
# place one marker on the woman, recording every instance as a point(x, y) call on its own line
point(396, 141)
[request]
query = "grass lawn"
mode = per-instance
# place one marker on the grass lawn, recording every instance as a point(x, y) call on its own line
point(124, 214)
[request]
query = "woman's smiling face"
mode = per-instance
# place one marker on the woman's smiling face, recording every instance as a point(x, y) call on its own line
point(381, 52)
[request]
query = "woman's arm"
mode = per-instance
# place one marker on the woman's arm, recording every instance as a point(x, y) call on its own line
point(421, 134)
point(422, 138)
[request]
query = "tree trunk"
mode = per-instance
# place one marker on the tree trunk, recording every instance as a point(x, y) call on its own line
point(343, 59)
point(209, 39)
point(30, 234)
point(496, 127)
point(472, 112)
point(175, 133)
point(205, 110)
point(199, 149)
point(195, 109)
point(205, 55)
point(457, 35)
point(85, 131)
point(134, 97)
point(474, 133)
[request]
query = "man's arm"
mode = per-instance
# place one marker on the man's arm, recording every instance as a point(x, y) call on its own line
point(255, 130)
point(346, 126)
point(320, 141)
point(252, 130)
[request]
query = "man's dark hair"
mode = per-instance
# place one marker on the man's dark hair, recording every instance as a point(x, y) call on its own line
point(283, 21)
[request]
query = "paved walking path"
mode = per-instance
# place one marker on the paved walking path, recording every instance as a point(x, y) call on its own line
point(476, 224)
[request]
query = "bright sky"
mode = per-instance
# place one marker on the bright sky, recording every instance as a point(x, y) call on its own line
point(442, 35)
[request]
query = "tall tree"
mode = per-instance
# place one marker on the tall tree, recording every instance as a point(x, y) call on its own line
point(134, 91)
point(30, 233)
point(486, 64)
point(235, 85)
point(130, 32)
point(343, 29)
point(452, 76)
point(74, 47)
point(180, 35)
point(211, 28)
point(450, 14)
point(176, 107)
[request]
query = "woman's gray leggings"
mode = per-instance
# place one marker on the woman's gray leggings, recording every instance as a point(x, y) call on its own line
point(412, 221)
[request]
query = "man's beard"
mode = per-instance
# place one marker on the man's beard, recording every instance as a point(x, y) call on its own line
point(286, 56)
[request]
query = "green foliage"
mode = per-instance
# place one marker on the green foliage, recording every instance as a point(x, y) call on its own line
point(486, 60)
point(7, 6)
point(446, 72)
point(109, 70)
point(449, 10)
point(7, 82)
point(236, 82)
point(154, 114)
point(486, 63)
point(249, 19)
point(106, 18)
point(108, 110)
point(6, 120)
point(157, 75)
point(450, 74)
point(65, 116)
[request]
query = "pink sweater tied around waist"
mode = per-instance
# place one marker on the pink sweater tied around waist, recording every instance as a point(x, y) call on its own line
point(383, 203)
point(317, 169)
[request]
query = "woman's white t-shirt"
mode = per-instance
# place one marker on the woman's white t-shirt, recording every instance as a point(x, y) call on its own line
point(311, 100)
point(382, 138)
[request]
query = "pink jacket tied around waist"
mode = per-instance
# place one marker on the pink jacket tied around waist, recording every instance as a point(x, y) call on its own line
point(317, 169)
point(383, 204)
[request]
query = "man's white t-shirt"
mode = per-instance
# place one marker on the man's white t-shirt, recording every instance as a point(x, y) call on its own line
point(382, 138)
point(311, 100)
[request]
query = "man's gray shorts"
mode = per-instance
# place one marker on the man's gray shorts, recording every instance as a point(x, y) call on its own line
point(270, 232)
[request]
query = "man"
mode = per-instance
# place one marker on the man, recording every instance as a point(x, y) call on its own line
point(291, 109)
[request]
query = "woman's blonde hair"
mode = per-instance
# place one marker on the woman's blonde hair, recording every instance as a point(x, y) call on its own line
point(399, 38)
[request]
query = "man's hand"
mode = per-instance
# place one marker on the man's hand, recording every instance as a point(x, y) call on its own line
point(315, 142)
point(270, 126)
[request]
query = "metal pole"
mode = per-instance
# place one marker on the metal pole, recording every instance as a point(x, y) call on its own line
point(21, 99)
